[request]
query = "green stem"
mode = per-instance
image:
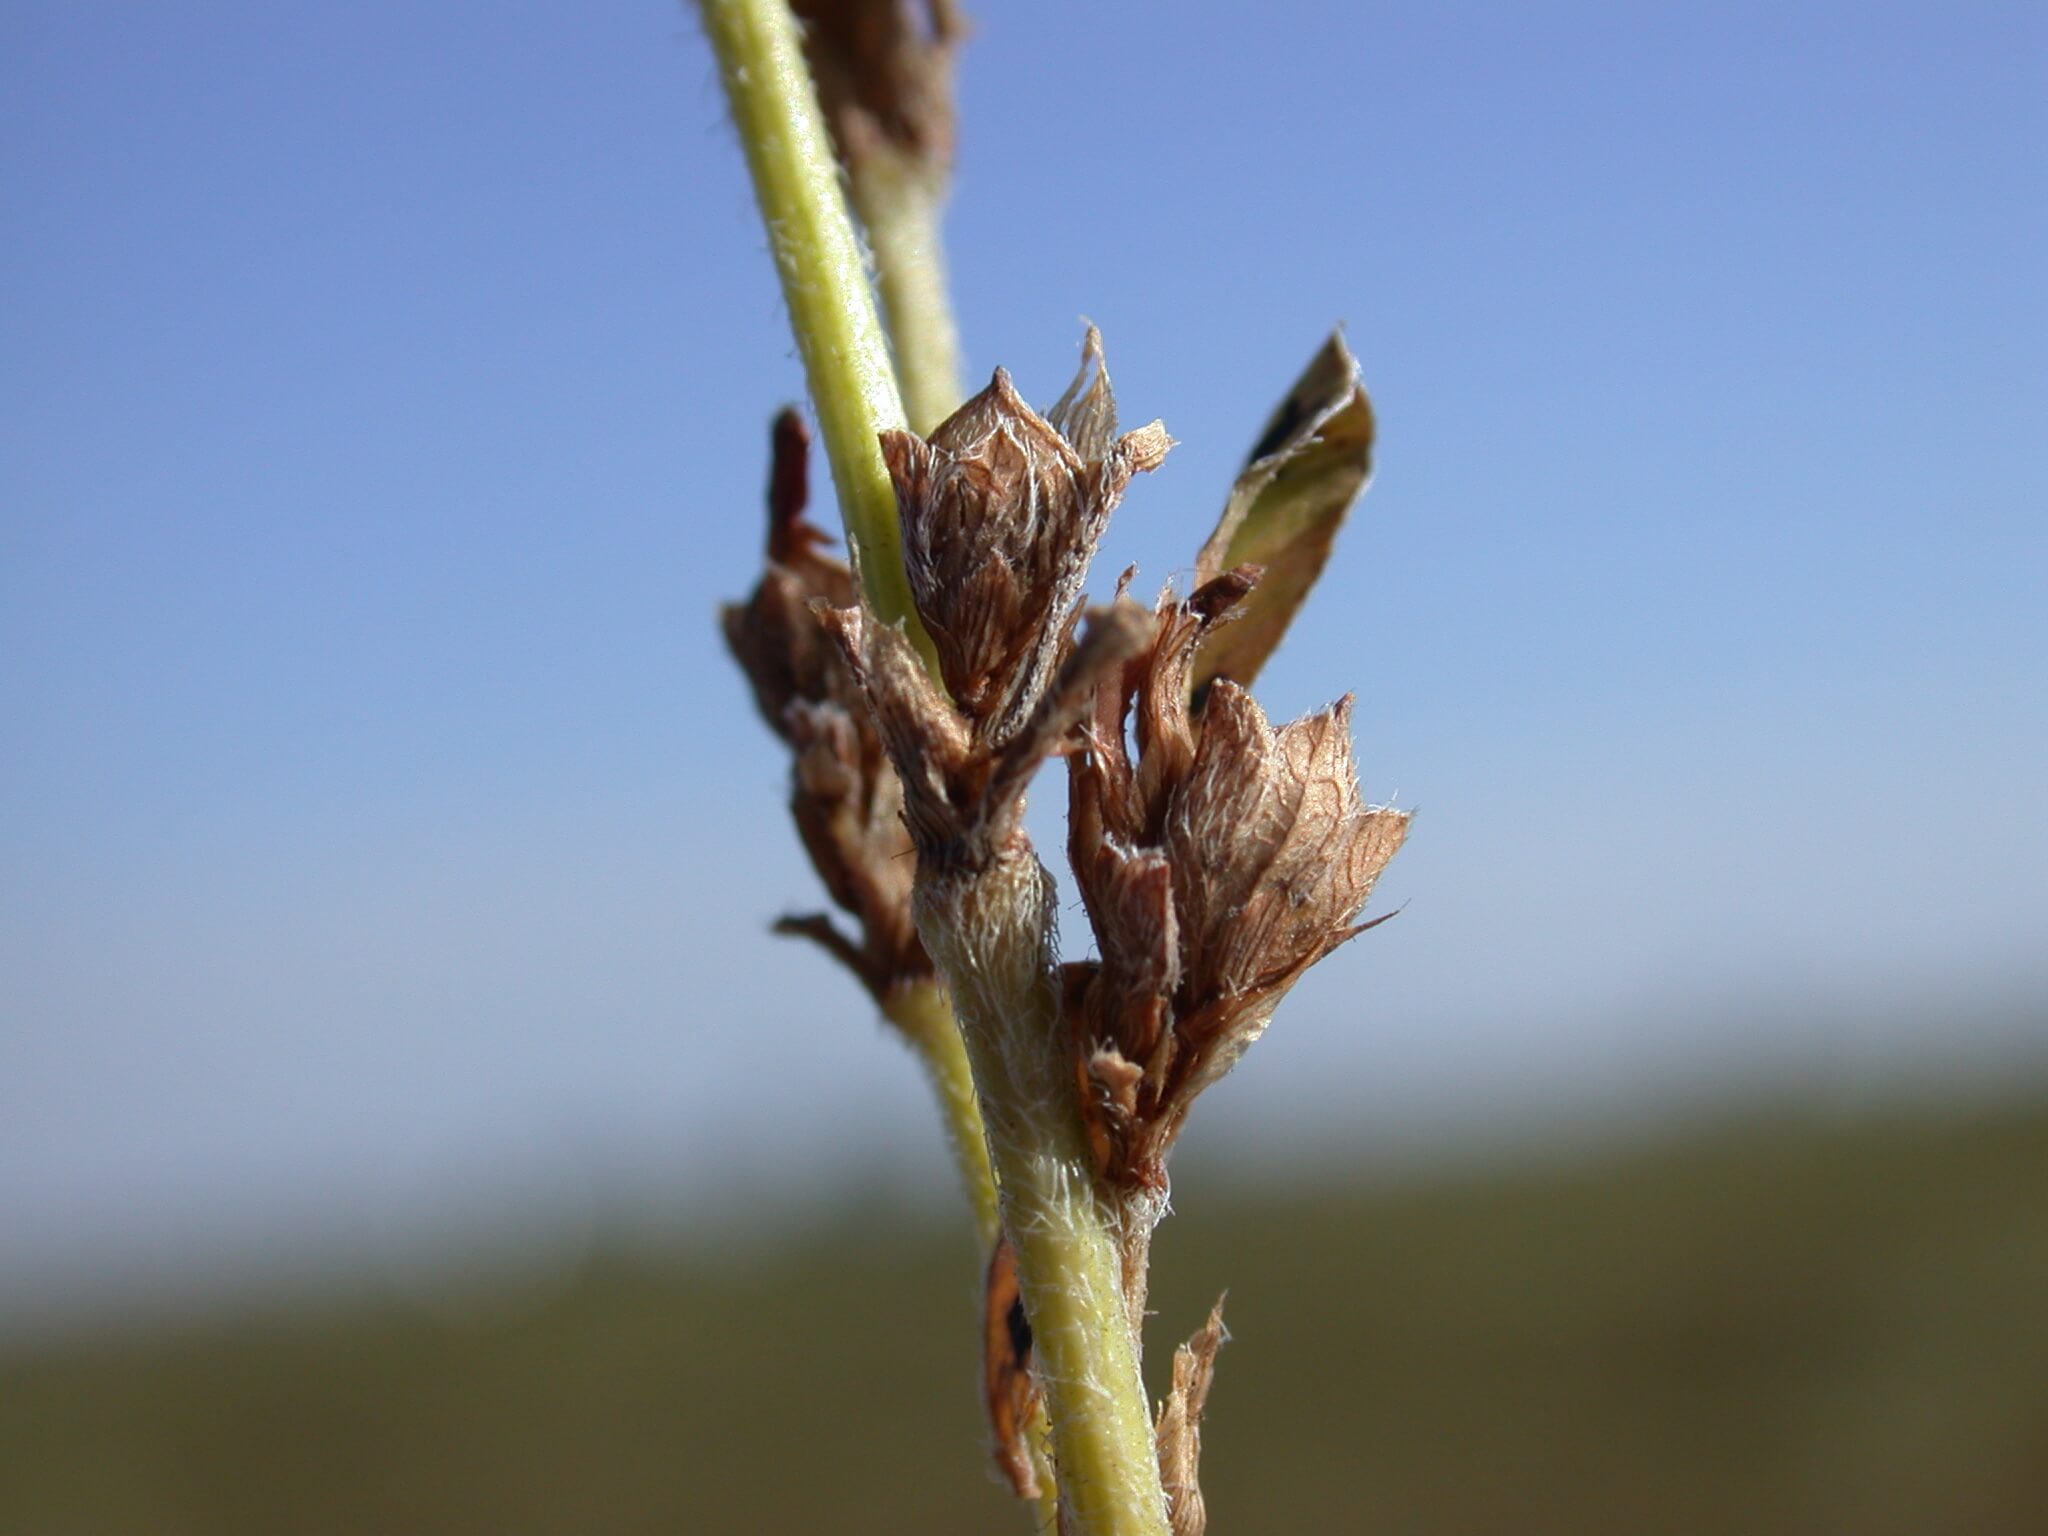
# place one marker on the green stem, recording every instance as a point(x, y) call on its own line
point(990, 931)
point(1066, 1257)
point(898, 198)
point(831, 308)
point(922, 1013)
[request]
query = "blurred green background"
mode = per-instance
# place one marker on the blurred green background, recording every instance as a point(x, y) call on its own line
point(1782, 1326)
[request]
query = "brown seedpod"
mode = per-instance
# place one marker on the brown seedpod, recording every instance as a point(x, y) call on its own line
point(844, 795)
point(882, 79)
point(1216, 866)
point(1001, 510)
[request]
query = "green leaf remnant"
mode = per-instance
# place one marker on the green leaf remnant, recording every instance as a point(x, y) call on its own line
point(1310, 464)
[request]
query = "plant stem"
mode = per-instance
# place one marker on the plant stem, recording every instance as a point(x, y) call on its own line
point(925, 1016)
point(990, 930)
point(1067, 1260)
point(831, 308)
point(922, 1013)
point(898, 198)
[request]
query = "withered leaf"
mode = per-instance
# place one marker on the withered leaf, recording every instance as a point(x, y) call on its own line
point(1309, 465)
point(1006, 1381)
point(1179, 1431)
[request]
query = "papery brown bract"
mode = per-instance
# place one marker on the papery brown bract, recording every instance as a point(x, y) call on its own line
point(1178, 1433)
point(773, 635)
point(919, 728)
point(963, 797)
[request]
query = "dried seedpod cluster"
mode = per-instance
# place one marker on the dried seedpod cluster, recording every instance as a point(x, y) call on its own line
point(845, 799)
point(1216, 865)
point(1217, 856)
point(921, 689)
point(1001, 513)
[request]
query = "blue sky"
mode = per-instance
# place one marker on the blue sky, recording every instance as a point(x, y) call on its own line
point(385, 393)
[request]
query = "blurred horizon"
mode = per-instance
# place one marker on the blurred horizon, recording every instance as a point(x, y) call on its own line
point(1779, 1326)
point(503, 1235)
point(387, 838)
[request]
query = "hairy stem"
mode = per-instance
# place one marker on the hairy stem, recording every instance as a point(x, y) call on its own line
point(899, 198)
point(990, 930)
point(923, 1014)
point(1066, 1255)
point(831, 308)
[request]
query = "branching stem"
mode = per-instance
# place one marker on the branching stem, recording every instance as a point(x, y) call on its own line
point(922, 1013)
point(824, 283)
point(925, 1016)
point(899, 198)
point(991, 932)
